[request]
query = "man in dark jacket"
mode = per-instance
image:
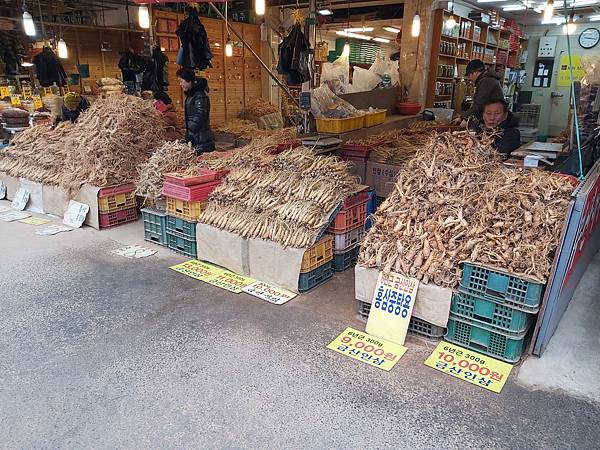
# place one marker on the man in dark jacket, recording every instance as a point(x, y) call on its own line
point(487, 86)
point(497, 119)
point(197, 111)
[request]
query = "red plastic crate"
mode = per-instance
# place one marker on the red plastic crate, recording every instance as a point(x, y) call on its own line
point(357, 150)
point(204, 176)
point(114, 190)
point(283, 146)
point(349, 219)
point(194, 193)
point(118, 217)
point(355, 199)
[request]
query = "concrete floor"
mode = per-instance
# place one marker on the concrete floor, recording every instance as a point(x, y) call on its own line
point(100, 351)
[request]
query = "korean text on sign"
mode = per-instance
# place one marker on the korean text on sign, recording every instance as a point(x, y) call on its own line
point(368, 349)
point(470, 366)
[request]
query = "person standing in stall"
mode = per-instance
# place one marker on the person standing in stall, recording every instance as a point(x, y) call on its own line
point(73, 105)
point(197, 111)
point(487, 86)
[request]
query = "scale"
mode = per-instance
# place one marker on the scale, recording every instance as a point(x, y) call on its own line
point(304, 104)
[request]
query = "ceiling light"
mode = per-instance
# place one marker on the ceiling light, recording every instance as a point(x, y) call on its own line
point(514, 8)
point(382, 40)
point(359, 30)
point(570, 26)
point(144, 17)
point(595, 18)
point(325, 12)
point(27, 64)
point(549, 10)
point(392, 29)
point(491, 1)
point(259, 7)
point(229, 48)
point(28, 24)
point(416, 26)
point(553, 21)
point(451, 22)
point(354, 35)
point(63, 52)
point(583, 3)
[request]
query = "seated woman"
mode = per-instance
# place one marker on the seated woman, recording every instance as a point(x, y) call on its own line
point(496, 118)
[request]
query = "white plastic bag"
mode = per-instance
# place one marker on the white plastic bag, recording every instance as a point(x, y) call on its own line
point(364, 80)
point(338, 72)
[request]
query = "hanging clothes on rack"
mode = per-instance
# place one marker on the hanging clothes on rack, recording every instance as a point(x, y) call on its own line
point(194, 52)
point(131, 64)
point(293, 56)
point(156, 75)
point(49, 68)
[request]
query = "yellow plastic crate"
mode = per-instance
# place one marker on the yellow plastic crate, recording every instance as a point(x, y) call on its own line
point(340, 125)
point(116, 202)
point(317, 255)
point(376, 118)
point(189, 211)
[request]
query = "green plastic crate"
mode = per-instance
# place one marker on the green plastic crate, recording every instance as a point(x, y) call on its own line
point(155, 226)
point(500, 287)
point(495, 344)
point(180, 227)
point(343, 261)
point(309, 280)
point(182, 246)
point(500, 316)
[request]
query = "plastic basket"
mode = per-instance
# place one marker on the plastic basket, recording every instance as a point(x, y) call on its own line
point(118, 217)
point(500, 287)
point(204, 176)
point(317, 255)
point(116, 202)
point(312, 279)
point(343, 261)
point(503, 317)
point(155, 226)
point(181, 228)
point(182, 246)
point(347, 241)
point(416, 325)
point(353, 200)
point(325, 125)
point(496, 344)
point(356, 150)
point(376, 118)
point(350, 218)
point(189, 211)
point(194, 193)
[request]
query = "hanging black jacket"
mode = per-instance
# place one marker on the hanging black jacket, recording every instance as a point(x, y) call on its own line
point(155, 76)
point(131, 64)
point(49, 69)
point(508, 137)
point(197, 117)
point(293, 56)
point(195, 50)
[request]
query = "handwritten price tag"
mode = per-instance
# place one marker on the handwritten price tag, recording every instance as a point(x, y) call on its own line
point(198, 270)
point(230, 281)
point(20, 200)
point(2, 190)
point(75, 214)
point(26, 92)
point(269, 293)
point(368, 349)
point(15, 99)
point(37, 102)
point(47, 91)
point(4, 91)
point(35, 221)
point(478, 369)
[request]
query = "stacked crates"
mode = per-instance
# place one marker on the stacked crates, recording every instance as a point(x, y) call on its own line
point(117, 205)
point(186, 198)
point(357, 155)
point(348, 231)
point(155, 226)
point(492, 312)
point(317, 264)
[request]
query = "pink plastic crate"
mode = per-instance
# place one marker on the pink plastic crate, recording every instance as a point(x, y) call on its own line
point(204, 176)
point(194, 193)
point(118, 217)
point(114, 190)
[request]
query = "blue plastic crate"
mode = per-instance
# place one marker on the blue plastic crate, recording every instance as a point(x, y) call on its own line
point(182, 228)
point(182, 246)
point(508, 347)
point(371, 208)
point(508, 317)
point(155, 226)
point(311, 279)
point(343, 261)
point(500, 287)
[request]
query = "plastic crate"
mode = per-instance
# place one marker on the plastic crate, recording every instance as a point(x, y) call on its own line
point(416, 325)
point(496, 344)
point(337, 126)
point(353, 200)
point(155, 229)
point(317, 255)
point(189, 211)
point(350, 218)
point(312, 279)
point(283, 146)
point(356, 150)
point(503, 317)
point(371, 208)
point(347, 241)
point(500, 287)
point(180, 227)
point(204, 176)
point(195, 193)
point(529, 116)
point(343, 261)
point(113, 190)
point(182, 246)
point(116, 202)
point(376, 118)
point(118, 217)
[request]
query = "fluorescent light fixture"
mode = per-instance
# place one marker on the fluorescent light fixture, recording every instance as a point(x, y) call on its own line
point(416, 26)
point(28, 24)
point(392, 29)
point(577, 3)
point(26, 64)
point(354, 35)
point(491, 1)
point(144, 17)
point(595, 18)
point(63, 52)
point(325, 12)
point(514, 8)
point(259, 7)
point(382, 40)
point(359, 30)
point(553, 21)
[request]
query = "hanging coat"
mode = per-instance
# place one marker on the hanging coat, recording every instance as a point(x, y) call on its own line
point(293, 56)
point(49, 69)
point(131, 65)
point(195, 49)
point(156, 73)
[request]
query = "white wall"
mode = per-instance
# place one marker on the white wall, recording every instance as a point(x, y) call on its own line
point(554, 111)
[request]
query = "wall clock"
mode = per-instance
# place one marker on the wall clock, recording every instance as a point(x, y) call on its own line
point(589, 37)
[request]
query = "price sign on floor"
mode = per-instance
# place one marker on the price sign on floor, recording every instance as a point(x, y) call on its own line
point(230, 281)
point(197, 269)
point(368, 349)
point(470, 366)
point(271, 294)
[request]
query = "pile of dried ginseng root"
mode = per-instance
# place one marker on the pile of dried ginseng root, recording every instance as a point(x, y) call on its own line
point(285, 198)
point(455, 201)
point(394, 146)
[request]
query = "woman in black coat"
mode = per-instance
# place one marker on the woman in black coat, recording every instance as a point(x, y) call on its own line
point(197, 111)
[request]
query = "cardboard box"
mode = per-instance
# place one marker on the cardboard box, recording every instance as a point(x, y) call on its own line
point(381, 177)
point(359, 169)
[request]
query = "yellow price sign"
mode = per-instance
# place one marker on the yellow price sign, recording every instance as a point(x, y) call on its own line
point(35, 221)
point(37, 102)
point(26, 92)
point(470, 366)
point(230, 281)
point(47, 91)
point(15, 99)
point(198, 269)
point(4, 91)
point(367, 349)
